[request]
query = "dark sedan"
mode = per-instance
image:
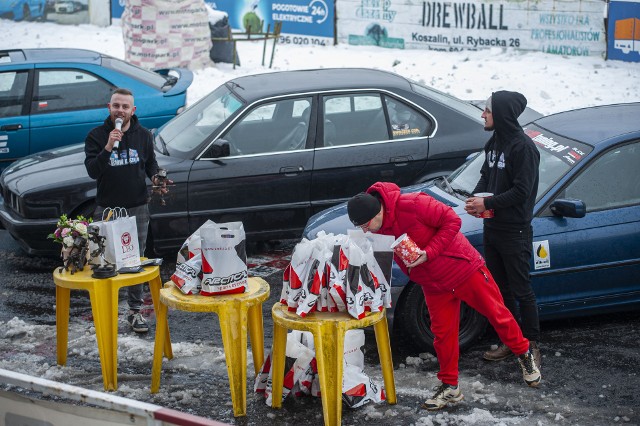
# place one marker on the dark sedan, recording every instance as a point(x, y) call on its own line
point(269, 150)
point(586, 226)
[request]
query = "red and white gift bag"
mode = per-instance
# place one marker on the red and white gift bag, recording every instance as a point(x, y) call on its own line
point(224, 259)
point(339, 273)
point(301, 372)
point(188, 275)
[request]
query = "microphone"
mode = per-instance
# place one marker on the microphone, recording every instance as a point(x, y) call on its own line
point(116, 144)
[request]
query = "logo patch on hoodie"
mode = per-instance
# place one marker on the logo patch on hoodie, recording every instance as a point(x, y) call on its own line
point(491, 160)
point(133, 158)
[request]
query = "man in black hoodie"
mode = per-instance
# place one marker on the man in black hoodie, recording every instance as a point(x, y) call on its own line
point(510, 173)
point(121, 160)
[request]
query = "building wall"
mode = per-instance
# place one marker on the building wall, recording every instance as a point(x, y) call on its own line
point(573, 28)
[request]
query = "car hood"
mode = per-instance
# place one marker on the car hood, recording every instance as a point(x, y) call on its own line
point(336, 221)
point(56, 169)
point(53, 168)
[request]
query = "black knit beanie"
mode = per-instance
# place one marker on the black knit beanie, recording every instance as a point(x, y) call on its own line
point(362, 208)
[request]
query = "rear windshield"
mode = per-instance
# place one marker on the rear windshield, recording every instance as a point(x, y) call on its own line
point(147, 77)
point(463, 107)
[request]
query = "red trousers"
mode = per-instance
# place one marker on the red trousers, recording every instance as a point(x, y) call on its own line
point(480, 292)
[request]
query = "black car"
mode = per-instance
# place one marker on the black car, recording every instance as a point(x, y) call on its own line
point(269, 150)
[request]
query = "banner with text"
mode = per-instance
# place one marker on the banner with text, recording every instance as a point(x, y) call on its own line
point(304, 22)
point(574, 28)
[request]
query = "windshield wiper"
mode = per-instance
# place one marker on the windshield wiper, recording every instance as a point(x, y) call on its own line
point(164, 145)
point(447, 186)
point(452, 191)
point(462, 192)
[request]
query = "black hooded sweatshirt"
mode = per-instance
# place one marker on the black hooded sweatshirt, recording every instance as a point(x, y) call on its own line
point(510, 169)
point(121, 173)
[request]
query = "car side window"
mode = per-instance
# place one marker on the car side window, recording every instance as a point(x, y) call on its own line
point(405, 121)
point(353, 119)
point(68, 90)
point(13, 86)
point(278, 126)
point(609, 182)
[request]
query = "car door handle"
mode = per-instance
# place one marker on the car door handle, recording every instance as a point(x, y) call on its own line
point(291, 171)
point(400, 161)
point(9, 127)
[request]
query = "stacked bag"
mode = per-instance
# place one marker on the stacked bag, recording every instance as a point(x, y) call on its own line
point(335, 273)
point(301, 372)
point(213, 260)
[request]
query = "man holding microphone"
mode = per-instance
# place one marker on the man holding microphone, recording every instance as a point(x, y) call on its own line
point(120, 156)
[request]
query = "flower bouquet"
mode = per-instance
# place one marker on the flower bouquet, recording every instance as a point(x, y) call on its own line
point(68, 231)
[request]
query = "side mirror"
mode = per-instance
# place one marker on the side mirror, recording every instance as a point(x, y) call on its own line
point(568, 207)
point(220, 148)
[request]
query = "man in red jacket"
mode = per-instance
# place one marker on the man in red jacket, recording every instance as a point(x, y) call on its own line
point(449, 270)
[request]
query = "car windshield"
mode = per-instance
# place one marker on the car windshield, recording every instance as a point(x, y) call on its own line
point(150, 78)
point(186, 133)
point(558, 155)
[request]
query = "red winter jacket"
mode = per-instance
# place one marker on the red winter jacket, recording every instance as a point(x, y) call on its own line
point(435, 228)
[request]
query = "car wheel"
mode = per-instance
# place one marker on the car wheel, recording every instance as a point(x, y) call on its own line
point(413, 322)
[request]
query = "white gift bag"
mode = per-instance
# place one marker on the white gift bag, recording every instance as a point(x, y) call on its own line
point(121, 238)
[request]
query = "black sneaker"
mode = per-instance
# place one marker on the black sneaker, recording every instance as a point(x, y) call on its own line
point(444, 395)
point(137, 322)
point(530, 371)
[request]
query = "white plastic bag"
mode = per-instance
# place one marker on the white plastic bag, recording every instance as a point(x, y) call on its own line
point(224, 259)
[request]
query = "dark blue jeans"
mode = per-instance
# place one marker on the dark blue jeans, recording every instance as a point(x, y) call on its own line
point(134, 292)
point(508, 254)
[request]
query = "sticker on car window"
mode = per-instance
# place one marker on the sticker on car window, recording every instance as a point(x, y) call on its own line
point(567, 150)
point(541, 255)
point(405, 132)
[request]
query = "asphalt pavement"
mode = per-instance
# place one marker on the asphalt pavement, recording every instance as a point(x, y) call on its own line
point(589, 365)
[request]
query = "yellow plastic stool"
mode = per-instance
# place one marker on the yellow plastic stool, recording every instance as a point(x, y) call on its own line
point(328, 331)
point(235, 312)
point(103, 294)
